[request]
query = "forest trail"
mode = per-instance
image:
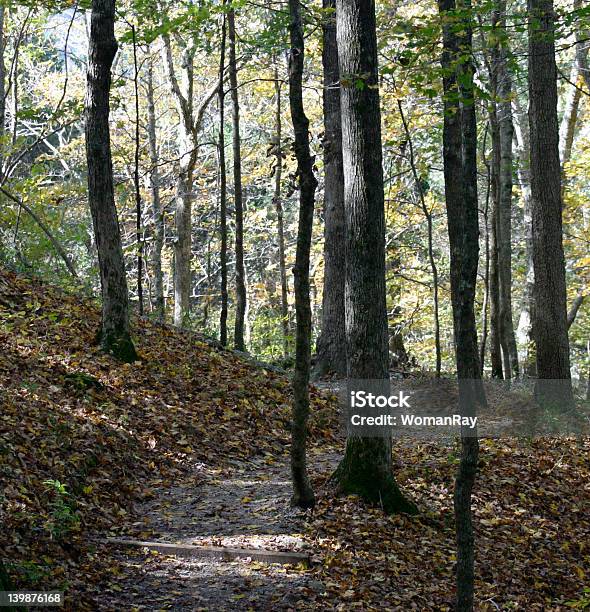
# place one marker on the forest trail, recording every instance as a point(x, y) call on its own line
point(191, 444)
point(243, 505)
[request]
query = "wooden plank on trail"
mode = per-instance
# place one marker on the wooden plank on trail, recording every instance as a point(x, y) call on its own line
point(227, 554)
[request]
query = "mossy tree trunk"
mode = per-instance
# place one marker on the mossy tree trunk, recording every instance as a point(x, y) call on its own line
point(114, 334)
point(366, 468)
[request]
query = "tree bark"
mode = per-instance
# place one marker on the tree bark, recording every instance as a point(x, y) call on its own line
point(241, 297)
point(366, 468)
point(114, 334)
point(578, 72)
point(550, 329)
point(136, 184)
point(506, 133)
point(331, 345)
point(495, 331)
point(486, 220)
point(302, 492)
point(2, 89)
point(157, 214)
point(460, 172)
point(222, 191)
point(280, 223)
point(184, 182)
point(525, 323)
point(575, 307)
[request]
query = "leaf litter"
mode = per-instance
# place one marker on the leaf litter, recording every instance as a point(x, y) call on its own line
point(191, 444)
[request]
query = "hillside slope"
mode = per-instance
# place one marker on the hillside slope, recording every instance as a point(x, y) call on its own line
point(82, 437)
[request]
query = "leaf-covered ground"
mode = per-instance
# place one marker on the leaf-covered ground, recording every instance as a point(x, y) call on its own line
point(121, 438)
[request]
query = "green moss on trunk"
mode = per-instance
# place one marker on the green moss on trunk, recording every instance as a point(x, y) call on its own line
point(119, 345)
point(365, 470)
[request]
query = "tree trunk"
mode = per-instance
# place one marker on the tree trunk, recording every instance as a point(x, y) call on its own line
point(366, 468)
point(486, 220)
point(506, 133)
point(579, 72)
point(550, 330)
point(575, 307)
point(428, 215)
point(114, 334)
point(525, 323)
point(280, 225)
point(331, 346)
point(187, 151)
point(241, 298)
point(222, 191)
point(2, 90)
point(460, 171)
point(157, 215)
point(302, 492)
point(495, 332)
point(136, 184)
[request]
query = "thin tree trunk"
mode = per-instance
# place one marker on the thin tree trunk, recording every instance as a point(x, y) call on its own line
point(486, 297)
point(114, 333)
point(302, 492)
point(14, 94)
point(331, 345)
point(575, 307)
point(138, 203)
point(366, 468)
point(578, 72)
point(157, 215)
point(506, 134)
point(280, 223)
point(184, 181)
point(2, 89)
point(428, 216)
point(525, 323)
point(222, 191)
point(241, 297)
point(495, 332)
point(460, 170)
point(553, 361)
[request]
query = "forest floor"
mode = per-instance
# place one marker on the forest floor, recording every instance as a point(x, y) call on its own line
point(190, 445)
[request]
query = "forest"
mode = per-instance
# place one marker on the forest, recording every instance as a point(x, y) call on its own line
point(225, 224)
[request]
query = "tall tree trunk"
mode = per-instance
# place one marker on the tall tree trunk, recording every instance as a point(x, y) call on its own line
point(506, 133)
point(241, 297)
point(222, 191)
point(331, 346)
point(525, 323)
point(184, 181)
point(550, 330)
point(579, 72)
point(302, 492)
point(136, 184)
point(460, 170)
point(428, 215)
point(486, 219)
point(366, 468)
point(2, 89)
point(114, 333)
point(495, 331)
point(280, 223)
point(157, 214)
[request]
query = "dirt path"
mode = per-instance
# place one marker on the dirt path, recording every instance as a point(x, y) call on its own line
point(245, 505)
